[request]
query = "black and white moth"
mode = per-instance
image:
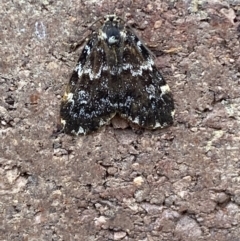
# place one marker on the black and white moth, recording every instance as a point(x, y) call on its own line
point(115, 74)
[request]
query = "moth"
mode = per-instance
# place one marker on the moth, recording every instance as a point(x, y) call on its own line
point(115, 74)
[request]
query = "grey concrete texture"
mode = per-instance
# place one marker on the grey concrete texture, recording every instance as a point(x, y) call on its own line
point(121, 183)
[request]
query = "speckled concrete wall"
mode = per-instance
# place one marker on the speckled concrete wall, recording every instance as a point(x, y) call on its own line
point(179, 183)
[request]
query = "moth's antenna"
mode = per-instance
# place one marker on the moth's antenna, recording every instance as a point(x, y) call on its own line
point(108, 6)
point(111, 8)
point(125, 8)
point(124, 12)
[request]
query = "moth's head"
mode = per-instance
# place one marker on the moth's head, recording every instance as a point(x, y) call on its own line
point(111, 30)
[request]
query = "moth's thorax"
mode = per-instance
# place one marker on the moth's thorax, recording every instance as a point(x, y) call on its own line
point(111, 30)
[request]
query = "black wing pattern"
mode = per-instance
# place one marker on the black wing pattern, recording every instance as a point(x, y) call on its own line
point(115, 74)
point(87, 104)
point(145, 97)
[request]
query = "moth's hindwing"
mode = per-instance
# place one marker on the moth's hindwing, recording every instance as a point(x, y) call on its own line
point(115, 74)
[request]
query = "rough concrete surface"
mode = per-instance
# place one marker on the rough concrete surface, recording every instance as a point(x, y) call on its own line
point(179, 183)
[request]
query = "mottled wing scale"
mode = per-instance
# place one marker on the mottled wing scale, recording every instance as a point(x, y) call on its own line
point(145, 97)
point(87, 104)
point(115, 74)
